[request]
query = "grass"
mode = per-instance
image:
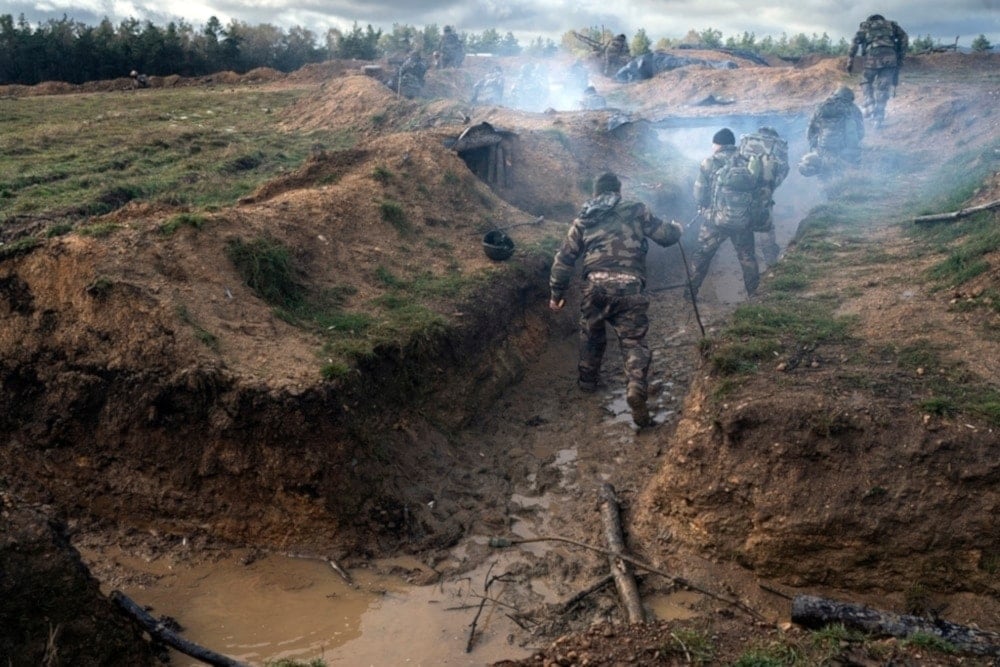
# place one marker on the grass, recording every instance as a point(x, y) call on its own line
point(194, 220)
point(763, 331)
point(68, 157)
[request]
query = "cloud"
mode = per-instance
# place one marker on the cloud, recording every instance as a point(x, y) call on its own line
point(529, 19)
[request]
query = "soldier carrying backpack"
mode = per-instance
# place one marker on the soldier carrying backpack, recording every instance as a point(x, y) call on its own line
point(768, 154)
point(883, 44)
point(725, 190)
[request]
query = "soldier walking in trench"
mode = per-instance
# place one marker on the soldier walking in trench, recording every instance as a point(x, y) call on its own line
point(611, 235)
point(883, 45)
point(724, 192)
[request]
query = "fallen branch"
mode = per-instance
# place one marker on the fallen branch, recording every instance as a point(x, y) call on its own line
point(593, 588)
point(502, 542)
point(955, 215)
point(159, 632)
point(815, 612)
point(341, 571)
point(624, 581)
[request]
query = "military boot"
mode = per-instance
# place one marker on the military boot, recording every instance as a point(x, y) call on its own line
point(636, 399)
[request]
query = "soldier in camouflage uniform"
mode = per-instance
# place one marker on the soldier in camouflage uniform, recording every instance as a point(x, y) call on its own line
point(767, 145)
point(611, 235)
point(450, 49)
point(616, 55)
point(715, 228)
point(883, 45)
point(411, 75)
point(835, 132)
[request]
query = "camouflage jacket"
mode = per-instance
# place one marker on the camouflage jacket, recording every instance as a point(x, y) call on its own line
point(611, 235)
point(835, 126)
point(704, 184)
point(881, 41)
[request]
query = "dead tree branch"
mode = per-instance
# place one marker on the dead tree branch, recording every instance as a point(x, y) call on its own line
point(624, 581)
point(955, 215)
point(593, 588)
point(815, 612)
point(502, 542)
point(161, 633)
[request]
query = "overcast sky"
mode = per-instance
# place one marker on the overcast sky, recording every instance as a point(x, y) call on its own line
point(943, 20)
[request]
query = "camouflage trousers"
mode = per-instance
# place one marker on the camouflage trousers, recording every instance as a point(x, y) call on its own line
point(626, 311)
point(710, 237)
point(876, 88)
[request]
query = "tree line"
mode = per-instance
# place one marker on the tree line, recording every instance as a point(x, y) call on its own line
point(68, 50)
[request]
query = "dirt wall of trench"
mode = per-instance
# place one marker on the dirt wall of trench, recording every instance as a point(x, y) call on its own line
point(107, 412)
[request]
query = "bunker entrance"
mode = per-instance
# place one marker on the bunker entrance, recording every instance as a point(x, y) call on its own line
point(487, 152)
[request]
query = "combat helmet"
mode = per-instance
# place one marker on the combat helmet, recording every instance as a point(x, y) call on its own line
point(844, 93)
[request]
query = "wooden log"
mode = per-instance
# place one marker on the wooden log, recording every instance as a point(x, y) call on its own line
point(815, 612)
point(620, 569)
point(955, 215)
point(161, 633)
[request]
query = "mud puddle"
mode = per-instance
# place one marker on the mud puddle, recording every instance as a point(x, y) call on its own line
point(286, 608)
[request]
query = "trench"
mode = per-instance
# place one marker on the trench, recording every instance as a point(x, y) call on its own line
point(527, 467)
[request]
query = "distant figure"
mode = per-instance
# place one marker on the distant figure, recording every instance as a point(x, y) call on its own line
point(616, 55)
point(724, 192)
point(591, 100)
point(768, 153)
point(489, 89)
point(610, 234)
point(411, 75)
point(530, 90)
point(139, 80)
point(450, 48)
point(883, 45)
point(577, 79)
point(835, 133)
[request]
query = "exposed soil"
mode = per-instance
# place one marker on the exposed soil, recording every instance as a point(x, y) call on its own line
point(117, 415)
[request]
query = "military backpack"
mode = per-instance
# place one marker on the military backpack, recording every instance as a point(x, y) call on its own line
point(736, 184)
point(768, 157)
point(879, 32)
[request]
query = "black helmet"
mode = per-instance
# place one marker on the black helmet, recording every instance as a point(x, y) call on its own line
point(876, 17)
point(497, 245)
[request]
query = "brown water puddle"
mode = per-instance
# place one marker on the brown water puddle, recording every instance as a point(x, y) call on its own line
point(280, 607)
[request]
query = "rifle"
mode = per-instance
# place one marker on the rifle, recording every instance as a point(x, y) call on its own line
point(895, 79)
point(850, 65)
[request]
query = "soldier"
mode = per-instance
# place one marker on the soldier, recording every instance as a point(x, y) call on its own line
point(616, 55)
point(531, 89)
point(411, 75)
point(139, 80)
point(835, 132)
point(724, 191)
point(769, 153)
point(883, 45)
point(611, 235)
point(489, 89)
point(591, 100)
point(451, 51)
point(577, 79)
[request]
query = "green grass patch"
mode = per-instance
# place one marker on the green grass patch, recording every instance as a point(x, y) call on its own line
point(393, 213)
point(100, 229)
point(19, 247)
point(929, 642)
point(194, 220)
point(950, 388)
point(762, 331)
point(381, 174)
point(266, 267)
point(74, 156)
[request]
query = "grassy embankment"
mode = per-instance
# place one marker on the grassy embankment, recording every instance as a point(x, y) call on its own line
point(797, 311)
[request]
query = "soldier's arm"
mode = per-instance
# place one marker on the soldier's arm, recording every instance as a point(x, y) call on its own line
point(702, 185)
point(564, 261)
point(663, 233)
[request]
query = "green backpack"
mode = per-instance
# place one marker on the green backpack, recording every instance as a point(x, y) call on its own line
point(768, 156)
point(736, 185)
